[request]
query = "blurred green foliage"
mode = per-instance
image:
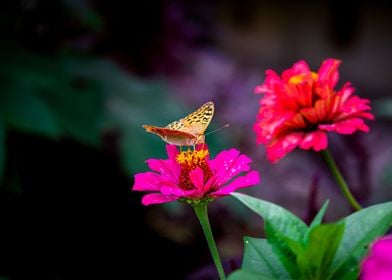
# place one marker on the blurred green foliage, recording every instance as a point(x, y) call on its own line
point(83, 97)
point(84, 12)
point(383, 108)
point(2, 150)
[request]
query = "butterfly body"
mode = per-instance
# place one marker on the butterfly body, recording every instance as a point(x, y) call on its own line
point(188, 131)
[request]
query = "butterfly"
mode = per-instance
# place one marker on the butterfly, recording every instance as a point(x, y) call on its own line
point(188, 131)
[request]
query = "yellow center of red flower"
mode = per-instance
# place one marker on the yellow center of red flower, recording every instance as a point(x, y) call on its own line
point(189, 161)
point(297, 79)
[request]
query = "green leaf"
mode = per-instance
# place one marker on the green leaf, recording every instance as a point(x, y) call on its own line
point(259, 258)
point(242, 274)
point(348, 271)
point(53, 98)
point(280, 219)
point(318, 219)
point(315, 261)
point(2, 151)
point(78, 112)
point(24, 110)
point(285, 248)
point(361, 229)
point(285, 232)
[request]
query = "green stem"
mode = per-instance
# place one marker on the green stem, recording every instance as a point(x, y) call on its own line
point(340, 180)
point(202, 215)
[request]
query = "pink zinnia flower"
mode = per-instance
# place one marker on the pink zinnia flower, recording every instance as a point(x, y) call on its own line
point(378, 264)
point(299, 107)
point(192, 176)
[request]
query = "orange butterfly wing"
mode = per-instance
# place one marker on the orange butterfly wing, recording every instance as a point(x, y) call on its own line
point(171, 136)
point(187, 131)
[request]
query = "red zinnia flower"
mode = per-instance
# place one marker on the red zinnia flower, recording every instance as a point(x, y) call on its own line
point(191, 175)
point(300, 107)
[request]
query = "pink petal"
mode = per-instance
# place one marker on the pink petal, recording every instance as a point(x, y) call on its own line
point(300, 67)
point(167, 168)
point(376, 269)
point(197, 178)
point(271, 78)
point(194, 193)
point(250, 179)
point(367, 115)
point(378, 264)
point(384, 273)
point(328, 74)
point(172, 152)
point(346, 91)
point(317, 140)
point(223, 159)
point(147, 181)
point(262, 89)
point(354, 105)
point(383, 248)
point(347, 126)
point(228, 164)
point(173, 190)
point(156, 198)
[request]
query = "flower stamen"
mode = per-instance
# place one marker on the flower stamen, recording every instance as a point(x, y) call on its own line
point(189, 161)
point(191, 158)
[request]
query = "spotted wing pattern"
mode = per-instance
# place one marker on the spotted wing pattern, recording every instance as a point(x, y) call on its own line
point(186, 131)
point(195, 123)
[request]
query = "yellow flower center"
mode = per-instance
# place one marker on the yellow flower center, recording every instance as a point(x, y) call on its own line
point(189, 161)
point(191, 158)
point(297, 79)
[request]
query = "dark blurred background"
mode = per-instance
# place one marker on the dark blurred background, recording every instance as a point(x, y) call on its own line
point(79, 78)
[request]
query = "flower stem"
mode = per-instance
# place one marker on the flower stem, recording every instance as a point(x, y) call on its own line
point(340, 180)
point(202, 215)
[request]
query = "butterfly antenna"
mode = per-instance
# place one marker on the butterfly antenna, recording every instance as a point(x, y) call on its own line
point(215, 130)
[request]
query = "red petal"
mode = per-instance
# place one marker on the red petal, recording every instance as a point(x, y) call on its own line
point(281, 147)
point(316, 140)
point(328, 74)
point(348, 126)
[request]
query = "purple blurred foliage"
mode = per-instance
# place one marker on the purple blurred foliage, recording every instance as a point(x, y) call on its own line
point(214, 76)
